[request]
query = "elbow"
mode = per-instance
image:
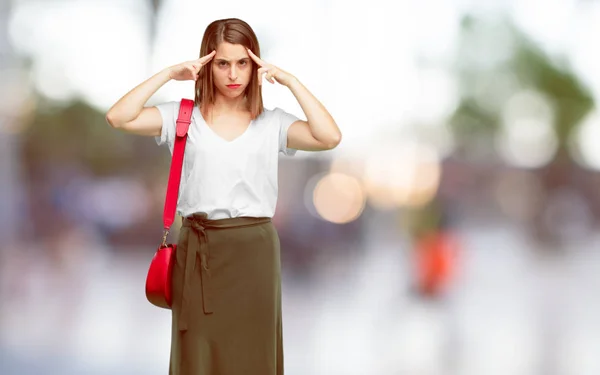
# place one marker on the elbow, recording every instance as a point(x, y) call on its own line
point(334, 141)
point(112, 120)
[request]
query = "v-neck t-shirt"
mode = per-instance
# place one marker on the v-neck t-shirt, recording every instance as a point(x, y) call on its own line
point(227, 179)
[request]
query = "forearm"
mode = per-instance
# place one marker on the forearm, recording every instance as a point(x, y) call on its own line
point(131, 104)
point(321, 123)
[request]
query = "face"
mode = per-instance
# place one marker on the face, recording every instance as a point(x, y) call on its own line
point(231, 66)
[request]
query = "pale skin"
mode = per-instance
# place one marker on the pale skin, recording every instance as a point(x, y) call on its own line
point(231, 64)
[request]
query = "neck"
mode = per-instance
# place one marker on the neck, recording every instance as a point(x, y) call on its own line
point(224, 104)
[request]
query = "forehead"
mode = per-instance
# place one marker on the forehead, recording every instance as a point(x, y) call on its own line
point(230, 51)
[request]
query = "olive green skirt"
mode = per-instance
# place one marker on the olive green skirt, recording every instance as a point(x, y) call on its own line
point(227, 298)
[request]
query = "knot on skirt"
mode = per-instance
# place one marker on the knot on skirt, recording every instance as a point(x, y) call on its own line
point(197, 245)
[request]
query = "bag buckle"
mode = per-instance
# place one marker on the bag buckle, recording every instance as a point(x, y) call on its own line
point(164, 238)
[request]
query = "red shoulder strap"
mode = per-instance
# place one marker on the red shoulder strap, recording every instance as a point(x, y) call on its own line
point(183, 124)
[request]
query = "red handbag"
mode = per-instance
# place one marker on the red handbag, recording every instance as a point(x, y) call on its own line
point(158, 280)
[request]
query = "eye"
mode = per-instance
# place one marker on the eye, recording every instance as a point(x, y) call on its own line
point(222, 63)
point(243, 62)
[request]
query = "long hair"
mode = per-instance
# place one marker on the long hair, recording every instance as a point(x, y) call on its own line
point(234, 31)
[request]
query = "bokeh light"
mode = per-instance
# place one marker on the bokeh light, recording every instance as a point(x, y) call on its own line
point(527, 138)
point(339, 198)
point(585, 141)
point(406, 174)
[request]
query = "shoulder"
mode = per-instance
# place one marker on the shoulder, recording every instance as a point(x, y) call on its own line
point(169, 111)
point(168, 107)
point(267, 113)
point(275, 114)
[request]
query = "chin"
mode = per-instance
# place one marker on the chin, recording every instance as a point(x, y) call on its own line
point(233, 95)
point(226, 92)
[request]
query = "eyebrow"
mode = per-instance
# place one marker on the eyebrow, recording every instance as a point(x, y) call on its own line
point(240, 59)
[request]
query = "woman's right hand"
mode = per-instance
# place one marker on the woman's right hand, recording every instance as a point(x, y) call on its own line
point(189, 70)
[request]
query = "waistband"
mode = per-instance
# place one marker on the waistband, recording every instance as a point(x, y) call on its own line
point(201, 218)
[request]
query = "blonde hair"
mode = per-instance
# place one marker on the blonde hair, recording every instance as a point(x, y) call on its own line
point(234, 31)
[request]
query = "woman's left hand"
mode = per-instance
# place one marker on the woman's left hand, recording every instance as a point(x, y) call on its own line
point(281, 76)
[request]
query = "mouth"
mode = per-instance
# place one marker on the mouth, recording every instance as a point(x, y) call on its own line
point(233, 86)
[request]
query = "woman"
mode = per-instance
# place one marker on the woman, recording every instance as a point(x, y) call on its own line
point(226, 278)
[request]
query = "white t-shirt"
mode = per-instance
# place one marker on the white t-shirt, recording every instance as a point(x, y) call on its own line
point(224, 178)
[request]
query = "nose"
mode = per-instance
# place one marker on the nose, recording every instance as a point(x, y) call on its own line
point(232, 74)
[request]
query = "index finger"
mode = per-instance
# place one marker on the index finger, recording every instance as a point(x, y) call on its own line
point(256, 58)
point(206, 58)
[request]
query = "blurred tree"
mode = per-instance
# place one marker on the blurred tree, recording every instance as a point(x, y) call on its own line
point(492, 53)
point(496, 60)
point(61, 134)
point(70, 141)
point(80, 133)
point(571, 99)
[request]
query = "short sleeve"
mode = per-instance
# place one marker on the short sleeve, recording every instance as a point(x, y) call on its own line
point(284, 120)
point(169, 112)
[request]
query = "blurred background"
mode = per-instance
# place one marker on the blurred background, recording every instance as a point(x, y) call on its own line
point(454, 230)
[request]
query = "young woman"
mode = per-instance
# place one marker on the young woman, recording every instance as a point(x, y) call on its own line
point(226, 278)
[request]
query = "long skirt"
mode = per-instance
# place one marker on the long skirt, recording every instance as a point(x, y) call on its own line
point(227, 298)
